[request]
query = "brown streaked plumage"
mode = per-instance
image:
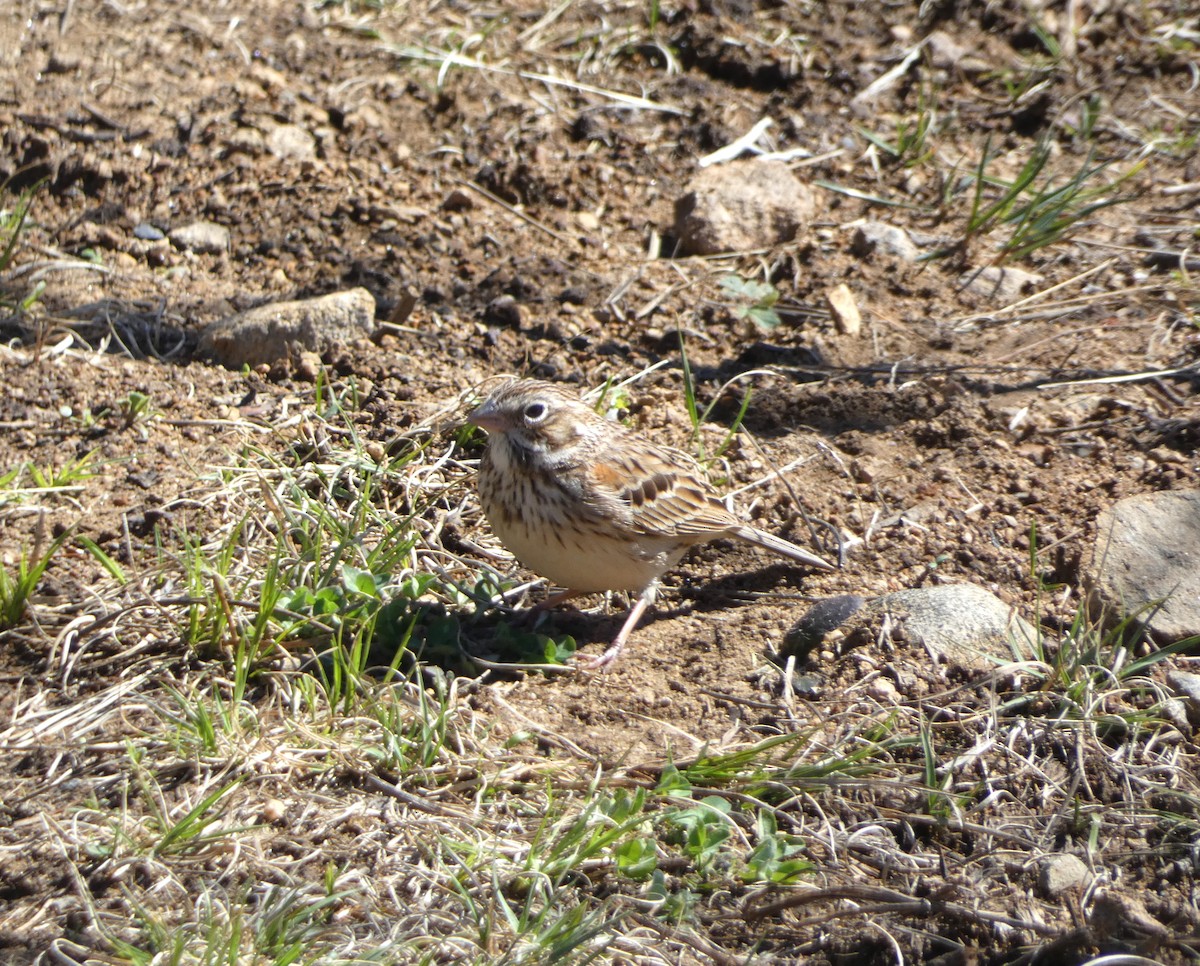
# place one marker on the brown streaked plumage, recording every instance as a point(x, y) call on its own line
point(592, 506)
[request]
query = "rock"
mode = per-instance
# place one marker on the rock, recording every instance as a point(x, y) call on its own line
point(1182, 714)
point(1061, 872)
point(944, 50)
point(274, 811)
point(1187, 687)
point(205, 237)
point(307, 367)
point(883, 690)
point(271, 333)
point(962, 624)
point(947, 53)
point(147, 232)
point(845, 313)
point(1002, 285)
point(292, 143)
point(742, 206)
point(875, 236)
point(1147, 551)
point(958, 623)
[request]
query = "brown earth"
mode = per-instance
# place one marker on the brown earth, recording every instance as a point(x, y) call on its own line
point(935, 441)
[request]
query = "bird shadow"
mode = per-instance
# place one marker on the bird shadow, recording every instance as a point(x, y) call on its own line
point(409, 636)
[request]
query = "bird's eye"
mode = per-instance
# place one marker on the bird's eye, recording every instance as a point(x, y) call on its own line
point(535, 412)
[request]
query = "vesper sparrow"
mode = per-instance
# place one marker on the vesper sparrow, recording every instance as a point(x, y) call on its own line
point(592, 506)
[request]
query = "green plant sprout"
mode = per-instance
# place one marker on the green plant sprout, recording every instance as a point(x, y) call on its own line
point(1039, 214)
point(755, 300)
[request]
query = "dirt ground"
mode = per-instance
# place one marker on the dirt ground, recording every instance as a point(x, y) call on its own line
point(936, 441)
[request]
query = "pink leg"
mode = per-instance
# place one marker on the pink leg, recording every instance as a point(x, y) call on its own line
point(605, 660)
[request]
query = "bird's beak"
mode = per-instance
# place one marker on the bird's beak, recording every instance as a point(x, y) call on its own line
point(487, 418)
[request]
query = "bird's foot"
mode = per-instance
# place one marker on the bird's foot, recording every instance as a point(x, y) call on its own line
point(605, 660)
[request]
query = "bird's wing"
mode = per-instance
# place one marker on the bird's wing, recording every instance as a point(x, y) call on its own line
point(657, 492)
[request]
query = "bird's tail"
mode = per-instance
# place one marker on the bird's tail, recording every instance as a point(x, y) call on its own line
point(780, 546)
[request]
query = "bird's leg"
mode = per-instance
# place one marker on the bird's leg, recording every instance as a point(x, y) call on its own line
point(605, 660)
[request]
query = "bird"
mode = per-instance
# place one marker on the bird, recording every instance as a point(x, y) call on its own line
point(594, 506)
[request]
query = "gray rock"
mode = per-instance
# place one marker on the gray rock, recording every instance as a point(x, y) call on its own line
point(875, 236)
point(962, 624)
point(742, 206)
point(205, 237)
point(270, 333)
point(1000, 285)
point(944, 50)
point(947, 53)
point(1061, 872)
point(1175, 711)
point(289, 142)
point(1146, 562)
point(958, 623)
point(1187, 687)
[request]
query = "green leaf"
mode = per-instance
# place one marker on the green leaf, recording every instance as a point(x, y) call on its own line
point(360, 581)
point(637, 858)
point(103, 559)
point(673, 783)
point(764, 318)
point(558, 650)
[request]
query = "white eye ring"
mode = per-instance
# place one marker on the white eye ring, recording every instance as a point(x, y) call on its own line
point(535, 412)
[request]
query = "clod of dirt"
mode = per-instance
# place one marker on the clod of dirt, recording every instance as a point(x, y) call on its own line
point(271, 333)
point(1124, 917)
point(1146, 562)
point(246, 140)
point(504, 311)
point(742, 206)
point(459, 199)
point(822, 618)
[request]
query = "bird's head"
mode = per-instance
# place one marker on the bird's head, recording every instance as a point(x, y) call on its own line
point(536, 419)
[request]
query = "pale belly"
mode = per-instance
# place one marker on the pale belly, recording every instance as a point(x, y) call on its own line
point(590, 563)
